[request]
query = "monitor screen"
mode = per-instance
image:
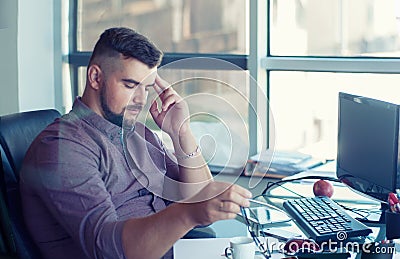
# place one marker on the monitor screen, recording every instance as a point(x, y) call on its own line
point(368, 145)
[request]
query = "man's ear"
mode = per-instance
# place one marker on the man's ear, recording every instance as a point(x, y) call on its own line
point(94, 76)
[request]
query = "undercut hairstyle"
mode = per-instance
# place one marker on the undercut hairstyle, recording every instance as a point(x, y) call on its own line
point(129, 43)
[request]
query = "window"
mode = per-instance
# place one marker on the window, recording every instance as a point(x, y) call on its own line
point(183, 29)
point(335, 28)
point(318, 48)
point(177, 27)
point(192, 26)
point(310, 121)
point(310, 51)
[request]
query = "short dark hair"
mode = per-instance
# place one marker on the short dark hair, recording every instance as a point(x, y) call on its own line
point(129, 43)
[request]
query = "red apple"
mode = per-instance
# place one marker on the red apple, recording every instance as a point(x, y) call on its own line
point(323, 188)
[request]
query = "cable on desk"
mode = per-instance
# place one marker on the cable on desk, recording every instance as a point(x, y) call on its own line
point(283, 181)
point(363, 213)
point(280, 182)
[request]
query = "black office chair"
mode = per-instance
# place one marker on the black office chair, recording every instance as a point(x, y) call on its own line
point(17, 131)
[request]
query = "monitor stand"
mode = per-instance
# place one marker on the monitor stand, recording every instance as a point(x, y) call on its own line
point(375, 219)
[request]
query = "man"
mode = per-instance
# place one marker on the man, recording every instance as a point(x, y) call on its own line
point(84, 198)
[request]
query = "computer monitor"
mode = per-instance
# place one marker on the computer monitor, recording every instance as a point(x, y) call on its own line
point(368, 145)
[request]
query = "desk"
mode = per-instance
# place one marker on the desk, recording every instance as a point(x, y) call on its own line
point(210, 248)
point(207, 248)
point(214, 248)
point(342, 195)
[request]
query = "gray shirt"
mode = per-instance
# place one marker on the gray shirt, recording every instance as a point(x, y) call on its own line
point(78, 189)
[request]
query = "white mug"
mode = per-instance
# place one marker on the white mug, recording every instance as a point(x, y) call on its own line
point(241, 248)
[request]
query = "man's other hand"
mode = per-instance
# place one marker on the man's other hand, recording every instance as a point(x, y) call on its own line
point(217, 201)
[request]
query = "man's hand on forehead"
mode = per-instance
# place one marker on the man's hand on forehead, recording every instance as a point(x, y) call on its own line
point(160, 85)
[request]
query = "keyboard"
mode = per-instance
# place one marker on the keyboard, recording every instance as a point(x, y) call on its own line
point(322, 219)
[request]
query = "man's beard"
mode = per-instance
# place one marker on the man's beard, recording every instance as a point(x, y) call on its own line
point(112, 117)
point(115, 118)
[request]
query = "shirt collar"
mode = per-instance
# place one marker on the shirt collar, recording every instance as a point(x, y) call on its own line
point(85, 113)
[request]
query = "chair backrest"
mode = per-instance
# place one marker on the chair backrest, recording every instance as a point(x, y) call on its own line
point(17, 131)
point(7, 243)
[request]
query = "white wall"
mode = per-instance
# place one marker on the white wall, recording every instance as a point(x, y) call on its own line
point(8, 57)
point(30, 58)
